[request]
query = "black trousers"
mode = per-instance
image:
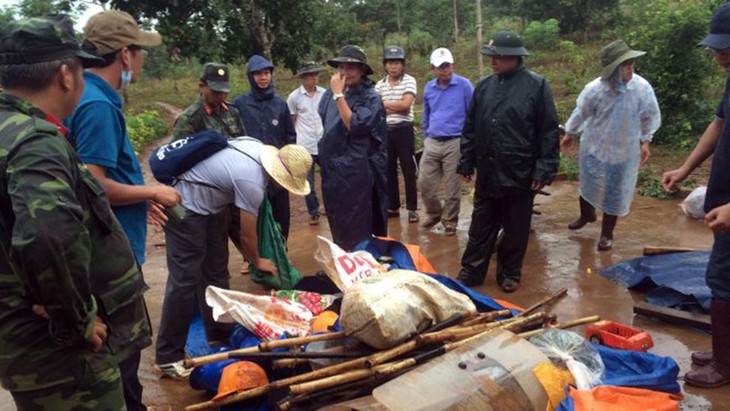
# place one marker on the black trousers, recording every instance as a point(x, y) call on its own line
point(401, 149)
point(279, 198)
point(513, 212)
point(130, 383)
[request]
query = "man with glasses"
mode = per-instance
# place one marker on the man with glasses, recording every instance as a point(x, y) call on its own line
point(445, 102)
point(100, 133)
point(511, 140)
point(714, 366)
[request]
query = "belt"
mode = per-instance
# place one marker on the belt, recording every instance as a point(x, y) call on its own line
point(444, 138)
point(399, 125)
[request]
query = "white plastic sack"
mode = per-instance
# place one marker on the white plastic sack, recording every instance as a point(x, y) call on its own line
point(343, 268)
point(385, 310)
point(569, 350)
point(693, 205)
point(267, 317)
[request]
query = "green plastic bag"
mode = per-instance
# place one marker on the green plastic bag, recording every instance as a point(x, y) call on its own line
point(271, 246)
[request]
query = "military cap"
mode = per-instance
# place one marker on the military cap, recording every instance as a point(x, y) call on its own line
point(110, 30)
point(38, 40)
point(216, 76)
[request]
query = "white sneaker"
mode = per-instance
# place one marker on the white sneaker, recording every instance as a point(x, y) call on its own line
point(174, 370)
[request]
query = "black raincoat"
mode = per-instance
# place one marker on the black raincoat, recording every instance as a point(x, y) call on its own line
point(511, 133)
point(354, 164)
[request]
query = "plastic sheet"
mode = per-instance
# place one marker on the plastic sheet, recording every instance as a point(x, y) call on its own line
point(568, 349)
point(671, 280)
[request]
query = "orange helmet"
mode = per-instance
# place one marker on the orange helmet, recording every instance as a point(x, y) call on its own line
point(241, 376)
point(322, 322)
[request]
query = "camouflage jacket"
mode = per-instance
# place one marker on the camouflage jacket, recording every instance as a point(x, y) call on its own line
point(226, 121)
point(60, 247)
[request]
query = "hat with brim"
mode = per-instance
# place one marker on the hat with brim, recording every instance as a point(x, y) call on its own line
point(289, 167)
point(308, 68)
point(351, 54)
point(39, 40)
point(216, 77)
point(505, 43)
point(110, 30)
point(719, 37)
point(614, 54)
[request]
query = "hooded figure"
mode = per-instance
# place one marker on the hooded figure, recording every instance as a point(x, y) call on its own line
point(353, 154)
point(266, 118)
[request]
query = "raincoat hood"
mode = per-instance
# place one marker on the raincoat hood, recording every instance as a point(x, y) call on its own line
point(258, 63)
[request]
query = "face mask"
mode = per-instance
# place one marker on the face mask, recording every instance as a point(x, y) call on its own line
point(126, 78)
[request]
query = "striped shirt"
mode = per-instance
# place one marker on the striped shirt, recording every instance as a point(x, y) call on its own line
point(406, 85)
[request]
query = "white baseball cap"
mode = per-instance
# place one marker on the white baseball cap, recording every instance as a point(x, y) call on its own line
point(440, 56)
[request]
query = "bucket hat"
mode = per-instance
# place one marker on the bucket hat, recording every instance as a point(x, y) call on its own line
point(309, 67)
point(217, 77)
point(240, 376)
point(505, 43)
point(351, 54)
point(111, 30)
point(614, 54)
point(288, 167)
point(719, 37)
point(38, 40)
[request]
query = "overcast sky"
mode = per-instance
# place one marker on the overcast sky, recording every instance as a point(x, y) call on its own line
point(80, 21)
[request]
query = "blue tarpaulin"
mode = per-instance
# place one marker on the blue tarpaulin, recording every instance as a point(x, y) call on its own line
point(674, 280)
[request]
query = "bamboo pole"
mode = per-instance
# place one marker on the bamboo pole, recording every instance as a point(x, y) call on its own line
point(545, 301)
point(288, 362)
point(486, 317)
point(289, 342)
point(265, 346)
point(567, 324)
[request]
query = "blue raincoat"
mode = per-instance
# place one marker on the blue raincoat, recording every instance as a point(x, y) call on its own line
point(265, 115)
point(353, 164)
point(615, 117)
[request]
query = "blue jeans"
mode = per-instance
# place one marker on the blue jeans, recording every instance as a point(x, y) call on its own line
point(311, 198)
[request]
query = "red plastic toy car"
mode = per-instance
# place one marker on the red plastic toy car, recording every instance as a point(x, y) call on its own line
point(616, 335)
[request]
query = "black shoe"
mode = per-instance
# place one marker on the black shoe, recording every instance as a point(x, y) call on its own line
point(314, 219)
point(393, 212)
point(469, 281)
point(509, 285)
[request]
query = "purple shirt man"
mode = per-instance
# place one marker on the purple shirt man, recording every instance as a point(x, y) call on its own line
point(445, 103)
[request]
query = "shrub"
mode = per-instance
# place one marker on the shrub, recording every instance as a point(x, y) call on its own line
point(542, 35)
point(145, 127)
point(674, 65)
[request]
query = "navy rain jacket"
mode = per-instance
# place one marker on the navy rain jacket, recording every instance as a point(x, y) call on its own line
point(353, 164)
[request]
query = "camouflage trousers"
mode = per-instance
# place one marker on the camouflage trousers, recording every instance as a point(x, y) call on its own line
point(100, 391)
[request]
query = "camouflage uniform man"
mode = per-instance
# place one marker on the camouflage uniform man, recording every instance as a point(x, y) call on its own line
point(71, 307)
point(210, 111)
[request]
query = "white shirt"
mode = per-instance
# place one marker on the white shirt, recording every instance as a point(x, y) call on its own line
point(308, 123)
point(238, 178)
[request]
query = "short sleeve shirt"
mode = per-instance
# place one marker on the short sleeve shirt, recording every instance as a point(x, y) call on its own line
point(227, 177)
point(405, 85)
point(99, 132)
point(308, 124)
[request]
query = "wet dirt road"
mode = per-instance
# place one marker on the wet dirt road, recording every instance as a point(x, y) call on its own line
point(556, 258)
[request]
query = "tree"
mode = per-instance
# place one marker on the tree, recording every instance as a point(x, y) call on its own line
point(38, 8)
point(229, 30)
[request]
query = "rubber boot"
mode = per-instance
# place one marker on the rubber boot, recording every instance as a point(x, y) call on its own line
point(587, 215)
point(607, 226)
point(701, 357)
point(717, 371)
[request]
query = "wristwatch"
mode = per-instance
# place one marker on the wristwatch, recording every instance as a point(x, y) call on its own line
point(336, 96)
